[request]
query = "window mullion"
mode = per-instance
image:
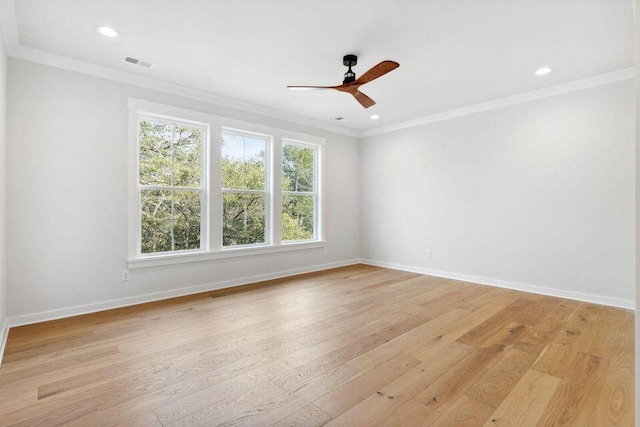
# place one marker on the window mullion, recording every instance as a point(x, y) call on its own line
point(276, 192)
point(215, 188)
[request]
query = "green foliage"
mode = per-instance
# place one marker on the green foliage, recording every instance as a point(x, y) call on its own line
point(297, 168)
point(297, 217)
point(170, 220)
point(243, 168)
point(243, 219)
point(170, 155)
point(297, 175)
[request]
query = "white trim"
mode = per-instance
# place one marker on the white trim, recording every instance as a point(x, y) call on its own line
point(45, 316)
point(9, 26)
point(579, 296)
point(4, 335)
point(227, 252)
point(572, 86)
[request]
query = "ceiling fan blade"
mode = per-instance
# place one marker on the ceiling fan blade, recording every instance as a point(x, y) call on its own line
point(310, 87)
point(363, 99)
point(379, 70)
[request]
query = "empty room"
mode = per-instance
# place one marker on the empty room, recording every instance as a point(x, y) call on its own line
point(304, 213)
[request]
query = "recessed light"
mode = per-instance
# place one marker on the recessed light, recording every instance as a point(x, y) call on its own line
point(107, 31)
point(375, 117)
point(542, 71)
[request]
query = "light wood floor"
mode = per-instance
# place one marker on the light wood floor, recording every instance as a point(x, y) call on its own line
point(355, 346)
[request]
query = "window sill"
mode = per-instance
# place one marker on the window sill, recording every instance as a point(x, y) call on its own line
point(182, 258)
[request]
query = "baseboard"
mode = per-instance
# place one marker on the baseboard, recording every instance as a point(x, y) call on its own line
point(579, 296)
point(4, 334)
point(156, 296)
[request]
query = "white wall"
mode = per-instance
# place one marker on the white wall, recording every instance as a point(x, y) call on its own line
point(3, 145)
point(67, 195)
point(537, 194)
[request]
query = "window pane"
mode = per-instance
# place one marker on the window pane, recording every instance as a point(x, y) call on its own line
point(243, 219)
point(155, 221)
point(170, 220)
point(297, 217)
point(169, 154)
point(297, 168)
point(187, 152)
point(243, 162)
point(186, 220)
point(155, 154)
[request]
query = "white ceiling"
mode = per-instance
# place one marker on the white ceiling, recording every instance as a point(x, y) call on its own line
point(452, 53)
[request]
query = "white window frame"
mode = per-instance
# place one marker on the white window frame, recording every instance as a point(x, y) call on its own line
point(202, 189)
point(211, 220)
point(267, 190)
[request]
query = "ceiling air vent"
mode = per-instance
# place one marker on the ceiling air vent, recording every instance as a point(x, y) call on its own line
point(137, 61)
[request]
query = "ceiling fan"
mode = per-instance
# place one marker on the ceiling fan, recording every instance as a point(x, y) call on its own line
point(351, 84)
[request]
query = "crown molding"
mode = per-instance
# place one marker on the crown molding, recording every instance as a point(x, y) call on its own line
point(8, 25)
point(70, 64)
point(562, 88)
point(9, 28)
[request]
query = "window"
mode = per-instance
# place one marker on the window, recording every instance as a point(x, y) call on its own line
point(299, 191)
point(170, 185)
point(244, 188)
point(206, 187)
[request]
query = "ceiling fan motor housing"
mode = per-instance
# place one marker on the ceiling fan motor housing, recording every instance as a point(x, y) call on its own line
point(349, 61)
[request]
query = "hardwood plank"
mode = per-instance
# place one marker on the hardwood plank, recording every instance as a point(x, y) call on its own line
point(429, 331)
point(297, 377)
point(578, 393)
point(394, 395)
point(508, 336)
point(411, 414)
point(493, 386)
point(294, 400)
point(478, 335)
point(32, 371)
point(532, 314)
point(464, 412)
point(556, 359)
point(525, 404)
point(245, 403)
point(148, 419)
point(615, 405)
point(455, 382)
point(444, 336)
point(538, 337)
point(350, 393)
point(307, 416)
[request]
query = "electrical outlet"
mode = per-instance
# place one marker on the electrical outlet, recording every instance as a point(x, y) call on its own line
point(125, 275)
point(428, 253)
